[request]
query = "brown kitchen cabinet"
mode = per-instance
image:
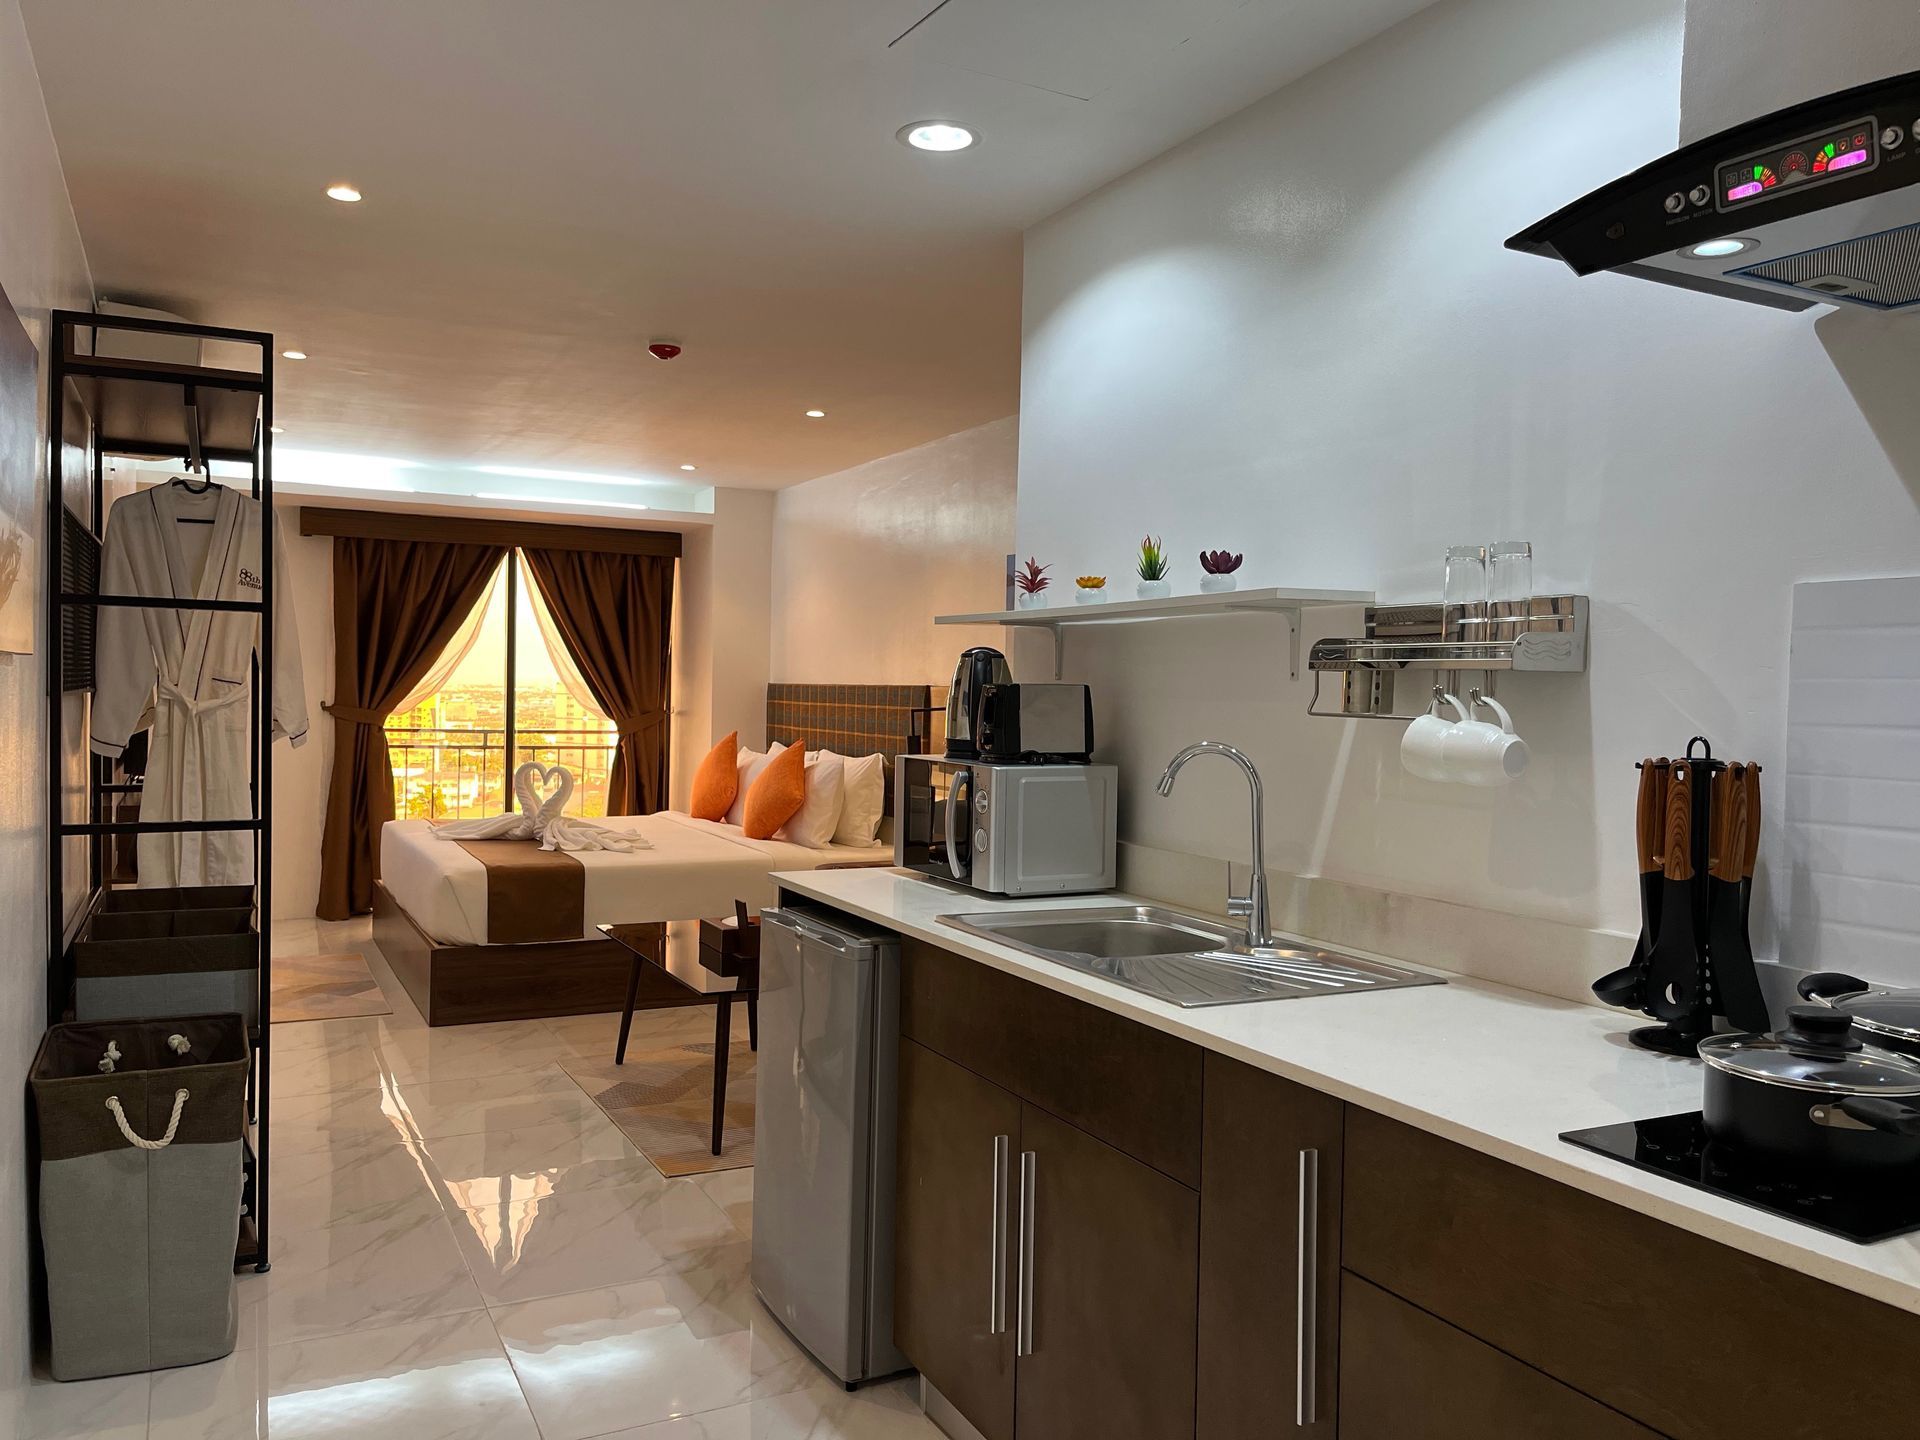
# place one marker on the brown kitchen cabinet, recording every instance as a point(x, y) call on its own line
point(1405, 1375)
point(953, 1207)
point(1105, 1333)
point(1269, 1257)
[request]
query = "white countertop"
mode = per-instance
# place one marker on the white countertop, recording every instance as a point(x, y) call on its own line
point(1503, 1071)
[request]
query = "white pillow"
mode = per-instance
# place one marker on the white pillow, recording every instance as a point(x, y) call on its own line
point(866, 802)
point(813, 823)
point(751, 763)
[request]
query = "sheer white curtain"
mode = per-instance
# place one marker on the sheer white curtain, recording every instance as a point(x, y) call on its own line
point(569, 672)
point(463, 641)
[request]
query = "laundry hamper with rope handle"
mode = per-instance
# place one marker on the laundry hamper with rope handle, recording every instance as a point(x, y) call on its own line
point(141, 1130)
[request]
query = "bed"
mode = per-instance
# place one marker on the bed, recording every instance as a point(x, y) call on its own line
point(472, 940)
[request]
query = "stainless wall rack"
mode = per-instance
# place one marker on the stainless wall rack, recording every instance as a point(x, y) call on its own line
point(1550, 638)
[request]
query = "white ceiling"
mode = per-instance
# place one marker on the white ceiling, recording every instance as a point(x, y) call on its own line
point(552, 185)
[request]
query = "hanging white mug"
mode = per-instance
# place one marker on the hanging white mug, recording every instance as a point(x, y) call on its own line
point(1422, 746)
point(1477, 753)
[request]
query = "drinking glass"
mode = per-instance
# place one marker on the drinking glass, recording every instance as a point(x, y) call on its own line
point(1466, 592)
point(1510, 587)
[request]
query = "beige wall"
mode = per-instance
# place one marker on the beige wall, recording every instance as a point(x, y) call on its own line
point(42, 267)
point(863, 561)
point(300, 776)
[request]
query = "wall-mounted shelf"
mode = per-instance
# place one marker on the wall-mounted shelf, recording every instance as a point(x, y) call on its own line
point(1271, 601)
point(1550, 637)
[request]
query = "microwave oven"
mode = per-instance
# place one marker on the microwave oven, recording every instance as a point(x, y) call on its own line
point(1006, 829)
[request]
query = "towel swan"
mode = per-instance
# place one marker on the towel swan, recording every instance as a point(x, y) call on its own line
point(543, 820)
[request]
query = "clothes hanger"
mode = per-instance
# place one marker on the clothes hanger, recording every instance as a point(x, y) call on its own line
point(186, 483)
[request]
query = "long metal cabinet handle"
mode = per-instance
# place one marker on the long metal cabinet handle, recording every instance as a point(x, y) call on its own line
point(997, 1312)
point(1023, 1336)
point(1306, 1327)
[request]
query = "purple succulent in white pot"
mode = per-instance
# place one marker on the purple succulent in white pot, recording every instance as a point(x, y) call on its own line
point(1219, 566)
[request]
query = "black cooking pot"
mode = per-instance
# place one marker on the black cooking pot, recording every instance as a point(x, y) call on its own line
point(1814, 1097)
point(1885, 1017)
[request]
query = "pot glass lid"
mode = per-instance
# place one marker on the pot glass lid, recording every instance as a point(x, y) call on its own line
point(1892, 1012)
point(1817, 1051)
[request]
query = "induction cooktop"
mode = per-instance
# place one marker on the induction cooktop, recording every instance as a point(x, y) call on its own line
point(1677, 1147)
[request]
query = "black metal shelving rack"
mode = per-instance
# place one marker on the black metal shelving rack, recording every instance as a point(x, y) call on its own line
point(147, 409)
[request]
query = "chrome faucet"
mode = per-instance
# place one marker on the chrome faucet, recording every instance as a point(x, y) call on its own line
point(1254, 904)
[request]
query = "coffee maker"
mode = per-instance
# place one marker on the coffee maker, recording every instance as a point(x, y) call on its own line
point(978, 668)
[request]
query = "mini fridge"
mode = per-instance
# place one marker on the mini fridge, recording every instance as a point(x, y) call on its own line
point(824, 1136)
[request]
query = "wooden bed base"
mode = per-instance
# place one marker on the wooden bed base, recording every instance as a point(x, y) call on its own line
point(468, 984)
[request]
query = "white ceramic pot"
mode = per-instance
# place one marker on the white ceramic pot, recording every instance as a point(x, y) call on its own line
point(1217, 584)
point(1090, 597)
point(1154, 589)
point(1036, 601)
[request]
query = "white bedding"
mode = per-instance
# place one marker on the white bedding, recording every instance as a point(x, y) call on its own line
point(696, 869)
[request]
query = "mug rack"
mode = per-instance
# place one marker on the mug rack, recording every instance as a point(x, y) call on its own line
point(1549, 637)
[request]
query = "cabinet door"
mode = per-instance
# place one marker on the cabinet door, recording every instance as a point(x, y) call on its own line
point(1105, 1323)
point(1405, 1375)
point(1269, 1256)
point(953, 1231)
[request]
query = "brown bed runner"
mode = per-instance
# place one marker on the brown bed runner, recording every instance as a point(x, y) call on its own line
point(532, 894)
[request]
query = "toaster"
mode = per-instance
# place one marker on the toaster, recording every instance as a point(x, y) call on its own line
point(1038, 724)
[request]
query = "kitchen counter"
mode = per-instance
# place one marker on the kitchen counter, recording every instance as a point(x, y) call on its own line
point(1499, 1070)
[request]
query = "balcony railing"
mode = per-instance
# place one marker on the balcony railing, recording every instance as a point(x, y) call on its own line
point(455, 774)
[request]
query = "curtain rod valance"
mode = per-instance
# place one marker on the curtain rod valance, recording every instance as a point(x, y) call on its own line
point(472, 530)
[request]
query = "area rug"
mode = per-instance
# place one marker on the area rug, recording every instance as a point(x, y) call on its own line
point(662, 1100)
point(324, 987)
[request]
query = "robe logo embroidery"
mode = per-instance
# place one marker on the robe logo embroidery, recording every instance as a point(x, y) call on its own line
point(248, 579)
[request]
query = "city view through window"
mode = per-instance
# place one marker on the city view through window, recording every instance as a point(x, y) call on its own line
point(452, 755)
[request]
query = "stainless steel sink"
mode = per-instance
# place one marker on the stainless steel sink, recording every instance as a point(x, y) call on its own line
point(1182, 959)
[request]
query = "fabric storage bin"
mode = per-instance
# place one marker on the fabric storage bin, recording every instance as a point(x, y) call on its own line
point(167, 924)
point(179, 897)
point(141, 1170)
point(167, 975)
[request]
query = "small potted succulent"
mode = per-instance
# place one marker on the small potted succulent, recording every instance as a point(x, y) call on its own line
point(1032, 582)
point(1219, 565)
point(1090, 590)
point(1152, 566)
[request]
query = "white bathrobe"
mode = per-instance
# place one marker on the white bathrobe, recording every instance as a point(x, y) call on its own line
point(195, 668)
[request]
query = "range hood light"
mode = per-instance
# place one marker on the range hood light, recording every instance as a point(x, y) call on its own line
point(1715, 249)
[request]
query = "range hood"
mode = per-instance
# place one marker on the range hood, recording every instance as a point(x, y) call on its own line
point(1813, 205)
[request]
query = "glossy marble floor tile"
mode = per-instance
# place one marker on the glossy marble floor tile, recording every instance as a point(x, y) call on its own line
point(111, 1409)
point(821, 1411)
point(732, 1191)
point(464, 1052)
point(349, 1277)
point(496, 1167)
point(599, 1360)
point(356, 1182)
point(433, 1380)
point(527, 1249)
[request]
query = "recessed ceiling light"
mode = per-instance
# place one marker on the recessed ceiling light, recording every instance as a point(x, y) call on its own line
point(344, 193)
point(293, 354)
point(277, 429)
point(816, 414)
point(1714, 249)
point(936, 135)
point(689, 467)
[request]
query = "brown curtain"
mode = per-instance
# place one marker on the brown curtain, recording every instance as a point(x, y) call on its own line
point(615, 614)
point(396, 605)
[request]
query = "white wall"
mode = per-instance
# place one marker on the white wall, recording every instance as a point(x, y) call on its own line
point(301, 777)
point(864, 559)
point(1747, 58)
point(42, 267)
point(1299, 335)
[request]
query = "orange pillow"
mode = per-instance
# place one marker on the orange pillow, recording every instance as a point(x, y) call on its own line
point(716, 781)
point(776, 797)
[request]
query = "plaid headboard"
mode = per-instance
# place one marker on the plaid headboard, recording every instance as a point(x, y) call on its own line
point(850, 719)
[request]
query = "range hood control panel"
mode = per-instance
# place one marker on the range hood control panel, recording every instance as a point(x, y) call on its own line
point(1814, 204)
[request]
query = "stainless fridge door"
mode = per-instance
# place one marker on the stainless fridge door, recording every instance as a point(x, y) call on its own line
point(813, 1137)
